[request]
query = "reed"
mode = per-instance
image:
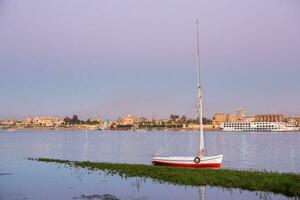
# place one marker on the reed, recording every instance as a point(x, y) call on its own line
point(287, 184)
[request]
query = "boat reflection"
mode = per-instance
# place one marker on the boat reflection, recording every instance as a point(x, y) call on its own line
point(202, 192)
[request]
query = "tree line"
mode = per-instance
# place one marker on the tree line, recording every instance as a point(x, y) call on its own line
point(76, 121)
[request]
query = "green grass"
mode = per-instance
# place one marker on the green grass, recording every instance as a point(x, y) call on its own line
point(287, 184)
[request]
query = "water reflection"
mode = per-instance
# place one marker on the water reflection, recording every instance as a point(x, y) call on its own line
point(86, 145)
point(140, 185)
point(202, 192)
point(69, 182)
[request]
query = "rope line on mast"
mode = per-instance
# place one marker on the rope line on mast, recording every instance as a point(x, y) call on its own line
point(219, 143)
point(166, 146)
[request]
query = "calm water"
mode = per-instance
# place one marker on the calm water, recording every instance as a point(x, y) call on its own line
point(22, 179)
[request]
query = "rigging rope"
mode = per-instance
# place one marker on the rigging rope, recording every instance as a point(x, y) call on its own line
point(164, 148)
point(219, 143)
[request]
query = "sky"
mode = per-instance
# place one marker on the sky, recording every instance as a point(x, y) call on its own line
point(107, 58)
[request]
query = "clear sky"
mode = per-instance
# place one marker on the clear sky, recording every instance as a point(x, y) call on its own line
point(112, 57)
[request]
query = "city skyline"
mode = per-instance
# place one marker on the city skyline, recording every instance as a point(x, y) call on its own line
point(114, 58)
point(192, 116)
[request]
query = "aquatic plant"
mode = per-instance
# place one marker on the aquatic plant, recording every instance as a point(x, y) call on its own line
point(287, 184)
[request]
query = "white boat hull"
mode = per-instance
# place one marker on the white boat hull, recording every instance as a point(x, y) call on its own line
point(188, 161)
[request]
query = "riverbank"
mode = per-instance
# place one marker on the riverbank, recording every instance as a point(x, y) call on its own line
point(113, 129)
point(135, 130)
point(278, 183)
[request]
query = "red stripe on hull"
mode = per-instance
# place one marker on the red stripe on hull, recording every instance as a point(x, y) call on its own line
point(206, 165)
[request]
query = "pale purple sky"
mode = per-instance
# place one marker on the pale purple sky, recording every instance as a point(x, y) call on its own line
point(111, 57)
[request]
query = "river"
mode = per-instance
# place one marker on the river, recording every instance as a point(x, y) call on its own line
point(23, 179)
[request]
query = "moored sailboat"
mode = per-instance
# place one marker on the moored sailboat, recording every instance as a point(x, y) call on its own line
point(200, 159)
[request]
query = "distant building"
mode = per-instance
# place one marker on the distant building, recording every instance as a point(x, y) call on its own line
point(9, 122)
point(294, 121)
point(249, 119)
point(27, 122)
point(218, 118)
point(269, 118)
point(44, 121)
point(232, 118)
point(240, 113)
point(127, 120)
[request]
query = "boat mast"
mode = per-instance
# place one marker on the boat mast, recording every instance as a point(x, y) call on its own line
point(200, 101)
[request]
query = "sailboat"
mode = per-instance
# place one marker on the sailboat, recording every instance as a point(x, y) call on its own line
point(200, 159)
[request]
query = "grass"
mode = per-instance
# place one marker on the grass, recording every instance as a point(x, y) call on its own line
point(287, 184)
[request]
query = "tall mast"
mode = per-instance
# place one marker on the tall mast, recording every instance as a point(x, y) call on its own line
point(200, 101)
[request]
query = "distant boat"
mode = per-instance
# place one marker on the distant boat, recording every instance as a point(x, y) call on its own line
point(200, 159)
point(243, 126)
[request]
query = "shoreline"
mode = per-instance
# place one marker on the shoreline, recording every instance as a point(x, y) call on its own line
point(13, 129)
point(113, 129)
